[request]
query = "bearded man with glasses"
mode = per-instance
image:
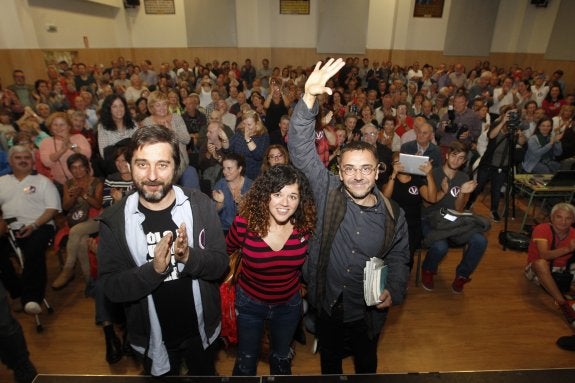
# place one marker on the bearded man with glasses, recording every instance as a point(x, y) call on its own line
point(355, 223)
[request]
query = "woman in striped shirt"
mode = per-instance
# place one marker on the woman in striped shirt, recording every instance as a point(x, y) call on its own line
point(276, 218)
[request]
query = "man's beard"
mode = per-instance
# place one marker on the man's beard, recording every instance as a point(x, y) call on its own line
point(355, 194)
point(155, 196)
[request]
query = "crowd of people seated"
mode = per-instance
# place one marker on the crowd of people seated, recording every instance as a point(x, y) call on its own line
point(231, 122)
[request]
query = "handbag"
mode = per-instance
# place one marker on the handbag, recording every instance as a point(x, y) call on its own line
point(78, 214)
point(564, 278)
point(228, 298)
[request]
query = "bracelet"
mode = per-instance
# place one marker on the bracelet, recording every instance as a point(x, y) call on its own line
point(34, 226)
point(250, 140)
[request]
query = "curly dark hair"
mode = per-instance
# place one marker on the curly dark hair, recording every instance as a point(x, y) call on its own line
point(254, 206)
point(106, 113)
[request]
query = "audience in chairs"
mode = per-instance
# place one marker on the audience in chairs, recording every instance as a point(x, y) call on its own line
point(379, 93)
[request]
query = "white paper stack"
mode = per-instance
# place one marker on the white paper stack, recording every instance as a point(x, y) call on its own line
point(374, 278)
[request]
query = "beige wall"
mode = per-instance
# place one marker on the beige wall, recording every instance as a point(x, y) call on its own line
point(32, 60)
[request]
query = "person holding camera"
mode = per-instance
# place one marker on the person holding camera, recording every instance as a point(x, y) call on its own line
point(460, 124)
point(550, 257)
point(494, 164)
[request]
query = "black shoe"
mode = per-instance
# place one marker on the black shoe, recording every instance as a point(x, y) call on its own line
point(113, 349)
point(495, 216)
point(567, 343)
point(25, 372)
point(126, 348)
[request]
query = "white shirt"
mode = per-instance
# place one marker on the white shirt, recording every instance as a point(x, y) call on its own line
point(27, 199)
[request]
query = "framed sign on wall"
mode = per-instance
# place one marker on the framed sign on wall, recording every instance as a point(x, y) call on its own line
point(428, 8)
point(159, 7)
point(294, 7)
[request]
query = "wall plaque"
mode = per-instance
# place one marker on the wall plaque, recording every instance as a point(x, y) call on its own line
point(159, 7)
point(294, 7)
point(428, 8)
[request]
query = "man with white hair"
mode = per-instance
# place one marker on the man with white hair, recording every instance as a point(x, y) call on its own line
point(551, 251)
point(28, 203)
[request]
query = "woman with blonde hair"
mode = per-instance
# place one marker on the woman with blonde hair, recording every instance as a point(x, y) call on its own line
point(250, 141)
point(55, 150)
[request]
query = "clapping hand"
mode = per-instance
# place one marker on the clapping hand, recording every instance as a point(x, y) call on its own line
point(162, 256)
point(181, 248)
point(468, 186)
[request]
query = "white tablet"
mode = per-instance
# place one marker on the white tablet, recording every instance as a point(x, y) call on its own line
point(412, 163)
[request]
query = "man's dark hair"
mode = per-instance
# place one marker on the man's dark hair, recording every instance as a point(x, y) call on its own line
point(457, 147)
point(359, 145)
point(154, 134)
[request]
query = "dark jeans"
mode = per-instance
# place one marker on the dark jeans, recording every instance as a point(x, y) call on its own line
point(497, 178)
point(337, 340)
point(474, 250)
point(31, 285)
point(282, 320)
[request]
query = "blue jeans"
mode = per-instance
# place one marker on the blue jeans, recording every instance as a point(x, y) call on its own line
point(283, 320)
point(474, 250)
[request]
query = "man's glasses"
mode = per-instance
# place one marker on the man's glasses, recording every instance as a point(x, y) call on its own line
point(368, 134)
point(364, 170)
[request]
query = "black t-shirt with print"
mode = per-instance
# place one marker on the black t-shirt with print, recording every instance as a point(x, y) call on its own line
point(174, 298)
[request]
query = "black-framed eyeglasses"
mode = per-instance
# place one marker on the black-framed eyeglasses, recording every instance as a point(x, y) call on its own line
point(276, 157)
point(364, 170)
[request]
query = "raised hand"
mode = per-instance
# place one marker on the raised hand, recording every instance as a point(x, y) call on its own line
point(316, 81)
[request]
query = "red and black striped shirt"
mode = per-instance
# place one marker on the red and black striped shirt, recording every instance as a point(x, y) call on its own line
point(267, 275)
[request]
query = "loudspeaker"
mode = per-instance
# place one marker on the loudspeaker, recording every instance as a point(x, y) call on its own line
point(131, 3)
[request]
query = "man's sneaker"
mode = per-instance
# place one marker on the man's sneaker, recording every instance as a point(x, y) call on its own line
point(568, 312)
point(495, 216)
point(458, 283)
point(32, 308)
point(427, 279)
point(25, 372)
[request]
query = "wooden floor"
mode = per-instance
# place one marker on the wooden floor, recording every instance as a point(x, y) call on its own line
point(500, 322)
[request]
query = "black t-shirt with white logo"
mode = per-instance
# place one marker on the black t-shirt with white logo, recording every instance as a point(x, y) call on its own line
point(174, 298)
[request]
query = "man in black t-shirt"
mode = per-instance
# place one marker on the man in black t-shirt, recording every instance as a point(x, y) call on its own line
point(161, 253)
